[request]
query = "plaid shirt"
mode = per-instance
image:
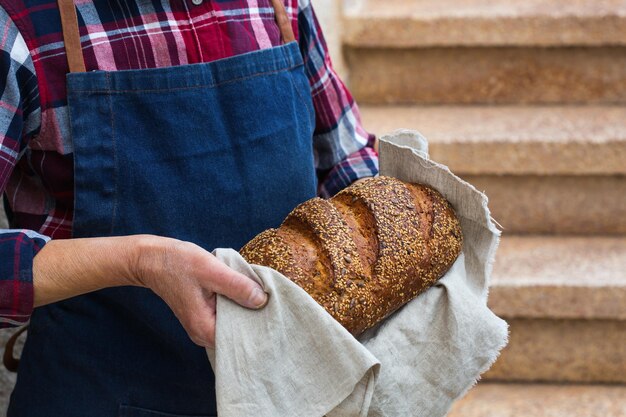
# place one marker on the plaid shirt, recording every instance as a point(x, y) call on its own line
point(36, 166)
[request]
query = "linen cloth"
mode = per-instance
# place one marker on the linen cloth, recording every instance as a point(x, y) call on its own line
point(293, 359)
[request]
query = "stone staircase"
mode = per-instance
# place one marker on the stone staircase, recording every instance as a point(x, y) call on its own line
point(538, 400)
point(527, 101)
point(486, 51)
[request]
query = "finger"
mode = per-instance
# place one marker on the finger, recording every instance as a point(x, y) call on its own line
point(204, 336)
point(202, 326)
point(236, 286)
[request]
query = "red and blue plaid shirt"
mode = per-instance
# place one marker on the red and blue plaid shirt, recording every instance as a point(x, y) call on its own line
point(36, 171)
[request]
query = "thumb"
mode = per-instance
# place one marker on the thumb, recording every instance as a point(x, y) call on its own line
point(236, 286)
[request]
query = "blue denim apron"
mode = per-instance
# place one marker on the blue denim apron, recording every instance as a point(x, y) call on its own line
point(210, 153)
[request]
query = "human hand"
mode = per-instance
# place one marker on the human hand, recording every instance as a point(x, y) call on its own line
point(188, 278)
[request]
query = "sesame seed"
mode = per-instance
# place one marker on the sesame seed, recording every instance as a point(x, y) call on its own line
point(415, 248)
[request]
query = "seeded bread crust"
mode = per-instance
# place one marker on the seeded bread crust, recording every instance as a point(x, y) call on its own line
point(365, 252)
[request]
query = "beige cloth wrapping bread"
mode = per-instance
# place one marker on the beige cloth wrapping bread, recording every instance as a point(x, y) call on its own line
point(293, 359)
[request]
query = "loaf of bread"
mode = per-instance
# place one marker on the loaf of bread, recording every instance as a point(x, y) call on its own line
point(365, 252)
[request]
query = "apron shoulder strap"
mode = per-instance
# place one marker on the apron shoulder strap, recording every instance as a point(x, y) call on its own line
point(71, 34)
point(283, 21)
point(10, 362)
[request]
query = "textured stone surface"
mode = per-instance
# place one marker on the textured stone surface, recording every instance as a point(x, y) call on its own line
point(563, 350)
point(488, 75)
point(565, 301)
point(560, 277)
point(484, 22)
point(543, 140)
point(556, 204)
point(539, 400)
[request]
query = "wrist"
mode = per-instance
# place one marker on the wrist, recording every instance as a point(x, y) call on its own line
point(148, 257)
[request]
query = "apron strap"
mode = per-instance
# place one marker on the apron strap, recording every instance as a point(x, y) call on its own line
point(74, 51)
point(10, 362)
point(283, 21)
point(71, 36)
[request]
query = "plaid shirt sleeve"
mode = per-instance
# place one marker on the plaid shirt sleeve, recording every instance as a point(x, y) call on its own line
point(19, 120)
point(344, 151)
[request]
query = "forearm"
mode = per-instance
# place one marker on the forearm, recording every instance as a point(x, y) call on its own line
point(67, 268)
point(184, 275)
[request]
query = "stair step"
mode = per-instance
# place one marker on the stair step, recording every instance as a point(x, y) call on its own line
point(539, 400)
point(533, 204)
point(542, 140)
point(565, 301)
point(557, 277)
point(488, 75)
point(563, 350)
point(486, 51)
point(538, 165)
point(427, 23)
